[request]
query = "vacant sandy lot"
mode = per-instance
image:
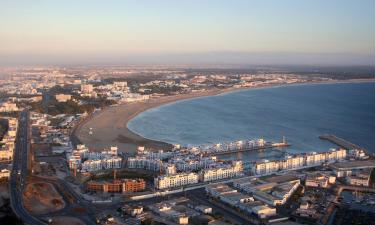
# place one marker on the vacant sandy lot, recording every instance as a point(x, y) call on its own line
point(40, 198)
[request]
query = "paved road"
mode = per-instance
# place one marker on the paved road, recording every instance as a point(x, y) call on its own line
point(19, 171)
point(19, 177)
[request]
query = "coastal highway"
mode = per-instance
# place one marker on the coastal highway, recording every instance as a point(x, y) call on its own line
point(19, 171)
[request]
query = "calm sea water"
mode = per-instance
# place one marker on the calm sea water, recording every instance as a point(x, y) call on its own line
point(300, 113)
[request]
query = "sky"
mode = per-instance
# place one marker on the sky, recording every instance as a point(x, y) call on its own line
point(312, 32)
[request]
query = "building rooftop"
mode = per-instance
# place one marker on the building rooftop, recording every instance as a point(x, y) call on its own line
point(353, 165)
point(281, 178)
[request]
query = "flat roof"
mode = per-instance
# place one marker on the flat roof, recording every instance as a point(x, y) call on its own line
point(281, 178)
point(353, 165)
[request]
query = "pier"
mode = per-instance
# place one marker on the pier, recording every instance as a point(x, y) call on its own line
point(341, 142)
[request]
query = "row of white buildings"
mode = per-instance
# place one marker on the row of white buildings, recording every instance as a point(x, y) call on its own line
point(83, 160)
point(142, 162)
point(223, 171)
point(171, 162)
point(7, 144)
point(298, 161)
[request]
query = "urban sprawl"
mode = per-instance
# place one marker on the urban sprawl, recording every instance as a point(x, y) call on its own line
point(51, 170)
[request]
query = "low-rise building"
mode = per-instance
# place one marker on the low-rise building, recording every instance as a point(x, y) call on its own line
point(119, 186)
point(4, 174)
point(319, 179)
point(132, 210)
point(63, 97)
point(8, 107)
point(271, 193)
point(360, 178)
point(204, 209)
point(264, 211)
point(216, 190)
point(235, 198)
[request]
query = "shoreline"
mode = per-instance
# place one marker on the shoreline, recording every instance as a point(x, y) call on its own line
point(110, 125)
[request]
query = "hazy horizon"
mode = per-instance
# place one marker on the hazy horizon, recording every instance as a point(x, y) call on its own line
point(197, 59)
point(187, 32)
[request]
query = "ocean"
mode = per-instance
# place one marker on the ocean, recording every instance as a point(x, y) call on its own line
point(299, 112)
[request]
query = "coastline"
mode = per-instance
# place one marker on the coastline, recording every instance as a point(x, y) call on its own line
point(110, 125)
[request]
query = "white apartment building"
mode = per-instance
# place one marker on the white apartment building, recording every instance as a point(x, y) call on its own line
point(176, 180)
point(298, 161)
point(84, 160)
point(315, 158)
point(141, 162)
point(92, 165)
point(336, 155)
point(222, 172)
point(112, 162)
point(292, 162)
point(266, 167)
point(192, 165)
point(156, 155)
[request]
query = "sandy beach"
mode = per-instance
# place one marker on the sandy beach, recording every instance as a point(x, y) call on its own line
point(109, 126)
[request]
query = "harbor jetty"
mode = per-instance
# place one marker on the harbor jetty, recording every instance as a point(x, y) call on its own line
point(342, 142)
